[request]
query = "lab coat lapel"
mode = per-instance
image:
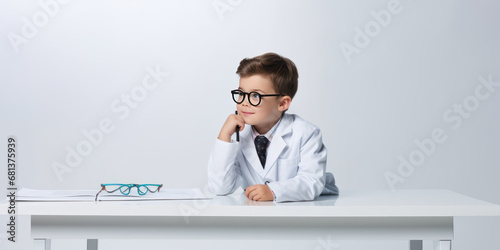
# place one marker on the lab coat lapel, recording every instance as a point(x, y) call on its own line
point(277, 144)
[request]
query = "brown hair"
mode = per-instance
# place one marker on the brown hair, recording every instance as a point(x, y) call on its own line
point(282, 71)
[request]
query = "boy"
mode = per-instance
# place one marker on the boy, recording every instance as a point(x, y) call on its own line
point(280, 156)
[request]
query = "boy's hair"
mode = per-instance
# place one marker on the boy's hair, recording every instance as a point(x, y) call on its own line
point(282, 71)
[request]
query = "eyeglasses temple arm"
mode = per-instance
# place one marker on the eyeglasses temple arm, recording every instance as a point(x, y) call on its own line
point(99, 192)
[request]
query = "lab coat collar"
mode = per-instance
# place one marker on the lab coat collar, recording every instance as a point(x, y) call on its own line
point(277, 145)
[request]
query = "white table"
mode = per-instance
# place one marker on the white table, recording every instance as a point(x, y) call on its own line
point(413, 215)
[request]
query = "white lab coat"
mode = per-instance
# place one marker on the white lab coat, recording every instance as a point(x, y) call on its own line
point(295, 164)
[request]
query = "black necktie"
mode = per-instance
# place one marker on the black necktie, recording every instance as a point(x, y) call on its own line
point(261, 146)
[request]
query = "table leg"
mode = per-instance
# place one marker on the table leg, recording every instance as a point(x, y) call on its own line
point(41, 244)
point(92, 244)
point(416, 245)
point(442, 245)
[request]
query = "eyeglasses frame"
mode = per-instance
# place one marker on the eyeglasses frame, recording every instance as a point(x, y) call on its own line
point(129, 186)
point(245, 94)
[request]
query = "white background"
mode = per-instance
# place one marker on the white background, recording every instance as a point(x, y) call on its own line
point(80, 58)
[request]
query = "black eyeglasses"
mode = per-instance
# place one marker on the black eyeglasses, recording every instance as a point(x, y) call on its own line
point(142, 189)
point(254, 98)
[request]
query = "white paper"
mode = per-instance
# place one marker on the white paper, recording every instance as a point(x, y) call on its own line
point(163, 194)
point(27, 194)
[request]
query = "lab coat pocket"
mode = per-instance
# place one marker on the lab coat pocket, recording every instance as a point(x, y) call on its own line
point(287, 168)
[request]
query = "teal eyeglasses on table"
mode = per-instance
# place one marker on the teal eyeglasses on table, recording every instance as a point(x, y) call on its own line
point(142, 189)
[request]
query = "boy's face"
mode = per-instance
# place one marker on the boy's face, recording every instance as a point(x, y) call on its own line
point(267, 113)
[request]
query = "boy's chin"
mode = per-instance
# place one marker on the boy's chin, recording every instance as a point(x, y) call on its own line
point(248, 121)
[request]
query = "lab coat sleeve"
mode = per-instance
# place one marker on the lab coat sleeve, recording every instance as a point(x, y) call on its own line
point(310, 179)
point(223, 168)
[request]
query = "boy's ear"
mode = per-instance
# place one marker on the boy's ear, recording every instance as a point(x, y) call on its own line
point(284, 103)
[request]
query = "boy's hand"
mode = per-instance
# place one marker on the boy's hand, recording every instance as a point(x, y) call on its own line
point(229, 127)
point(259, 192)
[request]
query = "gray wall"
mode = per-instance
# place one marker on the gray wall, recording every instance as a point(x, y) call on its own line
point(406, 92)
